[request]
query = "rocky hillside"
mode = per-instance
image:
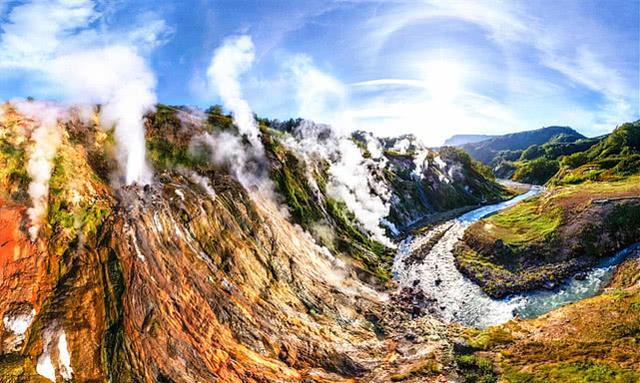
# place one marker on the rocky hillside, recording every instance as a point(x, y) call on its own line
point(332, 184)
point(542, 241)
point(203, 275)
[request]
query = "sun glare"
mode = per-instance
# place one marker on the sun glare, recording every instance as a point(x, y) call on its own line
point(443, 80)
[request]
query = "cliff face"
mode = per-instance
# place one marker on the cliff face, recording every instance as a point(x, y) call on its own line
point(191, 278)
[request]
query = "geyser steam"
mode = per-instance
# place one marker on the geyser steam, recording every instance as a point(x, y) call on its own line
point(46, 137)
point(118, 78)
point(229, 62)
point(247, 162)
point(70, 47)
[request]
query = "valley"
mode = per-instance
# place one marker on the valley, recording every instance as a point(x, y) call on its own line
point(317, 257)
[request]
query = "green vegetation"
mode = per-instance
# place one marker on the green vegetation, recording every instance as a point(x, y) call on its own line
point(13, 173)
point(167, 155)
point(537, 171)
point(74, 206)
point(476, 369)
point(488, 338)
point(489, 151)
point(580, 372)
point(312, 208)
point(525, 222)
point(169, 143)
point(613, 158)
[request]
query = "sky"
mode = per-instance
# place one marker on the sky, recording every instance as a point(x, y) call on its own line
point(431, 68)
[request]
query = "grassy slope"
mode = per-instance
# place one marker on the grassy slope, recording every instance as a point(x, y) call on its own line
point(590, 211)
point(543, 240)
point(487, 151)
point(595, 340)
point(595, 159)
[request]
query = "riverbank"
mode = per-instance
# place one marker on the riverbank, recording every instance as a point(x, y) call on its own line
point(593, 340)
point(425, 271)
point(542, 242)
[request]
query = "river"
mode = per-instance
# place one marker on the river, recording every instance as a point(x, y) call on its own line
point(458, 299)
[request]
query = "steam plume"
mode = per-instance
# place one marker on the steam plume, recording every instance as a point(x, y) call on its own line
point(351, 176)
point(234, 57)
point(352, 183)
point(247, 162)
point(70, 47)
point(118, 78)
point(46, 138)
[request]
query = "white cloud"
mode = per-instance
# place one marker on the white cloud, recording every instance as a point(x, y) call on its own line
point(36, 30)
point(530, 46)
point(320, 97)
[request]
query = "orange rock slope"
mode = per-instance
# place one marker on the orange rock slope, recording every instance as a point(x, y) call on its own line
point(171, 283)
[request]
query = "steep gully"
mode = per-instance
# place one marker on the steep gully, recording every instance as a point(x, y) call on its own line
point(426, 263)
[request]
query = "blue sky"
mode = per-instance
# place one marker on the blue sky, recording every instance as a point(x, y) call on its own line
point(425, 67)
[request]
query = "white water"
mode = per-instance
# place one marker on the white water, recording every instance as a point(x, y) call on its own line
point(460, 300)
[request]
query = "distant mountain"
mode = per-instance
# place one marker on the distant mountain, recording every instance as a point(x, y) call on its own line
point(608, 157)
point(461, 139)
point(487, 151)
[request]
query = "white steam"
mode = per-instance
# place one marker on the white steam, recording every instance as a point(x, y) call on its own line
point(46, 138)
point(70, 48)
point(247, 167)
point(421, 162)
point(353, 183)
point(119, 79)
point(352, 178)
point(203, 182)
point(234, 57)
point(247, 162)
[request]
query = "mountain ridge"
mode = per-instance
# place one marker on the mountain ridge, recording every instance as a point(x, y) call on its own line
point(486, 151)
point(461, 139)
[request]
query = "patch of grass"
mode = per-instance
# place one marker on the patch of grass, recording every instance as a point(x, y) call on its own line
point(476, 369)
point(75, 205)
point(166, 155)
point(13, 173)
point(525, 222)
point(580, 372)
point(489, 338)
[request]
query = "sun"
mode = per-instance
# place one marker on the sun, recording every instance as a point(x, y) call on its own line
point(444, 80)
